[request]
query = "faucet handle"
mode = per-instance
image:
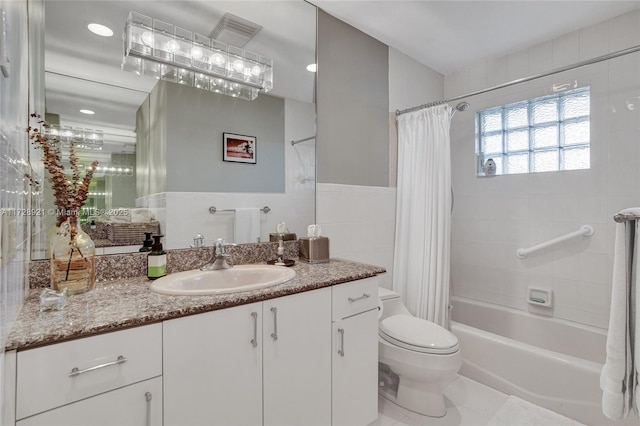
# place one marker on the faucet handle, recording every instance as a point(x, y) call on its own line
point(198, 241)
point(221, 247)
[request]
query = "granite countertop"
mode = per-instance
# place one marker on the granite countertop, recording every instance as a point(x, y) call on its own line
point(122, 303)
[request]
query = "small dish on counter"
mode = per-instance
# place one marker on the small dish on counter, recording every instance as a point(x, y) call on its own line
point(287, 262)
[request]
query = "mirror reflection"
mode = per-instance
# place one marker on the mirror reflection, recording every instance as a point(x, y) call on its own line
point(165, 161)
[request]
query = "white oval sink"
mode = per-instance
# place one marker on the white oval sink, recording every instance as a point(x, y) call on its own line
point(232, 280)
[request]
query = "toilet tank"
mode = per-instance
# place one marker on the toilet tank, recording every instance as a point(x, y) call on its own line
point(391, 303)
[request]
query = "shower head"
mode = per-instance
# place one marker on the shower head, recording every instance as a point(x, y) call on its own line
point(462, 106)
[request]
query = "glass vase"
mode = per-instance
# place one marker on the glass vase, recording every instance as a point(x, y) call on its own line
point(73, 258)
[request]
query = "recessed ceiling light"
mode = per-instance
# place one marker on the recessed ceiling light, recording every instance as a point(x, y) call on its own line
point(87, 111)
point(100, 30)
point(312, 67)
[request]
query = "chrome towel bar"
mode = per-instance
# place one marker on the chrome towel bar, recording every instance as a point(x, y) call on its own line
point(213, 210)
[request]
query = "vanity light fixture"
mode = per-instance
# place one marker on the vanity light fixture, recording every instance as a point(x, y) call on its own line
point(115, 170)
point(312, 67)
point(100, 29)
point(164, 51)
point(81, 138)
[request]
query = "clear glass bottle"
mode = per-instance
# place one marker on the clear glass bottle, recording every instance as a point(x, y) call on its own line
point(73, 257)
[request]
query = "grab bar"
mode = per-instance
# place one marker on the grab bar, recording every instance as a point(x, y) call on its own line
point(584, 231)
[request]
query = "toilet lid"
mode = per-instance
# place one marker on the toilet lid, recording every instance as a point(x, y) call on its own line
point(417, 334)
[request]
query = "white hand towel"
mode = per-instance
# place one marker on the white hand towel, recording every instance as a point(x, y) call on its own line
point(140, 215)
point(618, 376)
point(247, 225)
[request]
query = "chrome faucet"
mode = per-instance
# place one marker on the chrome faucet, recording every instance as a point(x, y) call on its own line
point(198, 241)
point(219, 260)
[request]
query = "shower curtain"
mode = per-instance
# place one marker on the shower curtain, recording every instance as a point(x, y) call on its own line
point(423, 213)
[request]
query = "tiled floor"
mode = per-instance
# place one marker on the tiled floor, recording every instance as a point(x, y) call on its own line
point(470, 403)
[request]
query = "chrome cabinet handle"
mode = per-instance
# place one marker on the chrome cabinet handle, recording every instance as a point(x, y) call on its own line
point(274, 335)
point(76, 372)
point(355, 299)
point(254, 341)
point(341, 351)
point(148, 396)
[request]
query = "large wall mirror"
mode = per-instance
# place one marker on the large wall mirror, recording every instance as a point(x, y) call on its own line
point(160, 143)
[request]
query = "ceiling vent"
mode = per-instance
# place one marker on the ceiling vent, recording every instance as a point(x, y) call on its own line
point(234, 30)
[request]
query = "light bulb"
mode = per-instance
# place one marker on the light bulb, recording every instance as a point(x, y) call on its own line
point(196, 52)
point(256, 70)
point(217, 60)
point(238, 66)
point(172, 46)
point(147, 38)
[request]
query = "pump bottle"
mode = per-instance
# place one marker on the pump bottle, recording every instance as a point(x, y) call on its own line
point(156, 260)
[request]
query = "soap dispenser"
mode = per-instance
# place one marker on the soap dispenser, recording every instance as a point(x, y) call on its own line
point(280, 253)
point(147, 245)
point(156, 260)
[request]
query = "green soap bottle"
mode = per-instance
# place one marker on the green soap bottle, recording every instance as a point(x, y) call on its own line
point(156, 260)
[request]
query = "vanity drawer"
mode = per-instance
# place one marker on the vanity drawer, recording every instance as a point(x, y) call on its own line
point(354, 297)
point(62, 373)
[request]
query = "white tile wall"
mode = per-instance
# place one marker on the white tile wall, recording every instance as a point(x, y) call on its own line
point(493, 217)
point(14, 155)
point(360, 223)
point(184, 214)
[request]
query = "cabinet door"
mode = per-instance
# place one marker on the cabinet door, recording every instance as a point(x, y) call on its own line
point(297, 359)
point(355, 370)
point(134, 405)
point(213, 368)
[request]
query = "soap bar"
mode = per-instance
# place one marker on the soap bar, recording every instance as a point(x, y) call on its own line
point(314, 249)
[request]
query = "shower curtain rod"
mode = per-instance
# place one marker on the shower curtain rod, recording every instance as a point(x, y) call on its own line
point(621, 217)
point(526, 79)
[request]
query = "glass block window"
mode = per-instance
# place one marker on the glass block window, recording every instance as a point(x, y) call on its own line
point(544, 134)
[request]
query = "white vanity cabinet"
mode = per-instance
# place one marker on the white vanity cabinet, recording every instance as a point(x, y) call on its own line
point(297, 360)
point(113, 378)
point(213, 368)
point(308, 358)
point(263, 363)
point(355, 353)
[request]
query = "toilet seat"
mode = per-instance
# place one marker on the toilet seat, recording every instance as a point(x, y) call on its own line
point(417, 335)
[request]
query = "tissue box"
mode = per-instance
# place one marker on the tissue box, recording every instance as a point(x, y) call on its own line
point(289, 236)
point(314, 249)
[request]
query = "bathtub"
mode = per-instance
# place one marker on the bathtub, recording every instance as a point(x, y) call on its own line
point(552, 363)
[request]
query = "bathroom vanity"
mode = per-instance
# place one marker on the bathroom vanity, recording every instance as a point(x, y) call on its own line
point(301, 352)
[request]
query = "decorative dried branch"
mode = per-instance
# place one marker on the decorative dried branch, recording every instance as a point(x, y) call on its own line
point(69, 195)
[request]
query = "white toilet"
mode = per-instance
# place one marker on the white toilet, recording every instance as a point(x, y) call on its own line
point(418, 358)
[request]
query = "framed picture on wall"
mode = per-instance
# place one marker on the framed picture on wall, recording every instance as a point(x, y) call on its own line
point(238, 148)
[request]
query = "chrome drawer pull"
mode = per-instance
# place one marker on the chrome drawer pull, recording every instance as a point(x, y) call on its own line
point(341, 351)
point(148, 396)
point(274, 335)
point(76, 372)
point(355, 299)
point(254, 341)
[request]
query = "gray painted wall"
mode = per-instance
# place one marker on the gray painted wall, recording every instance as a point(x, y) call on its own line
point(142, 149)
point(352, 105)
point(123, 188)
point(190, 123)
